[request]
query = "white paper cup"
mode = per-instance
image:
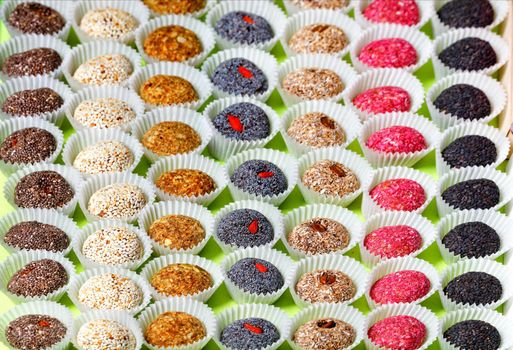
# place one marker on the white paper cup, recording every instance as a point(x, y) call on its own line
point(292, 8)
point(311, 211)
point(424, 6)
point(415, 37)
point(381, 77)
point(490, 267)
point(173, 114)
point(349, 266)
point(423, 226)
point(493, 89)
point(46, 308)
point(268, 10)
point(370, 207)
point(186, 305)
point(281, 261)
point(286, 163)
point(80, 238)
point(71, 175)
point(267, 312)
point(360, 167)
point(189, 161)
point(17, 261)
point(379, 159)
point(197, 14)
point(499, 45)
point(222, 147)
point(348, 120)
point(263, 60)
point(192, 210)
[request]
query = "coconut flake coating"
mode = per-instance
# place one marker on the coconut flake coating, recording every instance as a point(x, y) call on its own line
point(256, 276)
point(397, 139)
point(36, 18)
point(405, 286)
point(38, 278)
point(316, 130)
point(104, 113)
point(474, 288)
point(32, 102)
point(470, 150)
point(34, 332)
point(473, 335)
point(245, 228)
point(104, 157)
point(405, 12)
point(38, 61)
point(389, 53)
point(393, 241)
point(313, 83)
point(104, 334)
point(319, 38)
point(472, 194)
point(249, 334)
point(325, 286)
point(27, 146)
point(466, 13)
point(174, 329)
point(469, 54)
point(260, 177)
point(33, 235)
point(243, 122)
point(43, 189)
point(399, 194)
point(324, 334)
point(464, 101)
point(117, 201)
point(472, 240)
point(239, 76)
point(321, 4)
point(331, 178)
point(108, 23)
point(244, 28)
point(112, 69)
point(398, 332)
point(383, 99)
point(319, 236)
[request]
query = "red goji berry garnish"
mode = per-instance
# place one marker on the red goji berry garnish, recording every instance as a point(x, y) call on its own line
point(253, 329)
point(246, 73)
point(265, 174)
point(327, 278)
point(43, 323)
point(235, 123)
point(253, 226)
point(248, 19)
point(261, 267)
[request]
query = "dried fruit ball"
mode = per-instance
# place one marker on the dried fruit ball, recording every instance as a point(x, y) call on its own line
point(398, 332)
point(240, 76)
point(181, 280)
point(108, 23)
point(319, 236)
point(38, 278)
point(324, 334)
point(177, 232)
point(330, 178)
point(170, 137)
point(399, 194)
point(404, 286)
point(174, 329)
point(473, 335)
point(464, 101)
point(177, 7)
point(405, 12)
point(319, 38)
point(472, 194)
point(32, 102)
point(34, 332)
point(38, 61)
point(470, 150)
point(313, 83)
point(466, 13)
point(316, 130)
point(243, 121)
point(393, 241)
point(474, 288)
point(397, 139)
point(43, 189)
point(256, 276)
point(186, 183)
point(325, 286)
point(117, 201)
point(244, 28)
point(389, 53)
point(36, 18)
point(164, 90)
point(33, 235)
point(472, 54)
point(321, 4)
point(172, 43)
point(472, 240)
point(27, 146)
point(245, 228)
point(249, 333)
point(260, 177)
point(105, 334)
point(384, 99)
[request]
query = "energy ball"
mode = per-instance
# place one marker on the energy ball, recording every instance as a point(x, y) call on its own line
point(177, 232)
point(256, 276)
point(406, 286)
point(466, 13)
point(108, 23)
point(470, 150)
point(399, 194)
point(245, 228)
point(34, 235)
point(250, 334)
point(313, 83)
point(38, 278)
point(260, 177)
point(319, 236)
point(464, 101)
point(321, 4)
point(113, 69)
point(165, 90)
point(172, 43)
point(104, 113)
point(105, 334)
point(473, 335)
point(186, 183)
point(469, 54)
point(397, 139)
point(384, 99)
point(174, 329)
point(177, 7)
point(32, 102)
point(474, 288)
point(239, 76)
point(330, 178)
point(36, 18)
point(244, 28)
point(319, 38)
point(389, 53)
point(117, 201)
point(472, 240)
point(181, 280)
point(398, 332)
point(324, 334)
point(27, 146)
point(472, 194)
point(170, 138)
point(404, 12)
point(393, 241)
point(325, 286)
point(316, 130)
point(104, 157)
point(35, 332)
point(243, 121)
point(38, 61)
point(43, 189)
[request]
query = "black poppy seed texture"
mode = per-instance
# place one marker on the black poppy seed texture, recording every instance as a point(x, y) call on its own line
point(239, 76)
point(467, 13)
point(250, 334)
point(472, 194)
point(474, 288)
point(243, 121)
point(473, 335)
point(32, 102)
point(260, 177)
point(34, 332)
point(245, 228)
point(29, 145)
point(472, 240)
point(244, 28)
point(464, 101)
point(32, 235)
point(256, 276)
point(470, 150)
point(471, 54)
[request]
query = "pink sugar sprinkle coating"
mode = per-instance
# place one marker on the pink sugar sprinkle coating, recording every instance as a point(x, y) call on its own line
point(393, 241)
point(398, 332)
point(405, 12)
point(389, 53)
point(400, 287)
point(399, 194)
point(397, 139)
point(383, 100)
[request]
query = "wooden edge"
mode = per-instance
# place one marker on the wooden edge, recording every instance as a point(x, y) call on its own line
point(506, 78)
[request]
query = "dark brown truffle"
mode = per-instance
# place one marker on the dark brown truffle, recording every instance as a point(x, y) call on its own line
point(29, 145)
point(32, 235)
point(37, 61)
point(35, 18)
point(32, 102)
point(43, 189)
point(38, 278)
point(34, 332)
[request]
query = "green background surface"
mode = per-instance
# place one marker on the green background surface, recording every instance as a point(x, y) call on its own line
point(221, 299)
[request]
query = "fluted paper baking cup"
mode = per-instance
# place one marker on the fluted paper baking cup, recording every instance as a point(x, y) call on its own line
point(263, 60)
point(415, 37)
point(197, 14)
point(89, 229)
point(97, 182)
point(490, 267)
point(345, 71)
point(192, 210)
point(370, 207)
point(173, 114)
point(79, 280)
point(22, 43)
point(199, 81)
point(493, 89)
point(421, 313)
point(71, 175)
point(189, 161)
point(46, 308)
point(267, 312)
point(82, 7)
point(293, 7)
point(334, 212)
point(163, 261)
point(471, 128)
point(357, 164)
point(424, 6)
point(12, 86)
point(345, 117)
point(281, 261)
point(379, 122)
point(285, 162)
point(423, 226)
point(204, 34)
point(453, 177)
point(82, 53)
point(272, 213)
point(499, 45)
point(12, 125)
point(44, 216)
point(382, 77)
point(268, 10)
point(17, 261)
point(345, 313)
point(222, 147)
point(188, 306)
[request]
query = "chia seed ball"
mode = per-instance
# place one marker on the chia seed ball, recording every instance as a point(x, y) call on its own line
point(239, 76)
point(397, 139)
point(37, 61)
point(245, 228)
point(260, 177)
point(32, 102)
point(38, 278)
point(470, 150)
point(472, 194)
point(244, 28)
point(405, 12)
point(34, 332)
point(383, 99)
point(393, 241)
point(466, 13)
point(474, 288)
point(472, 240)
point(389, 53)
point(36, 18)
point(472, 54)
point(33, 235)
point(398, 332)
point(43, 189)
point(250, 334)
point(464, 101)
point(27, 146)
point(243, 122)
point(404, 286)
point(473, 335)
point(256, 276)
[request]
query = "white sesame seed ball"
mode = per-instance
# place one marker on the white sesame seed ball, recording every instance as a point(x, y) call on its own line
point(103, 113)
point(104, 70)
point(117, 201)
point(108, 23)
point(104, 157)
point(105, 334)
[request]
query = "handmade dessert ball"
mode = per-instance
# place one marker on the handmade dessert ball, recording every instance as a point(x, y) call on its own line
point(33, 332)
point(244, 28)
point(324, 334)
point(466, 13)
point(384, 99)
point(169, 138)
point(177, 7)
point(172, 43)
point(464, 101)
point(397, 139)
point(313, 83)
point(256, 276)
point(405, 12)
point(38, 61)
point(319, 38)
point(389, 53)
point(469, 54)
point(167, 90)
point(474, 288)
point(316, 130)
point(473, 335)
point(249, 333)
point(34, 235)
point(405, 286)
point(104, 157)
point(470, 150)
point(43, 189)
point(325, 286)
point(245, 228)
point(108, 23)
point(177, 232)
point(472, 194)
point(104, 113)
point(113, 69)
point(240, 76)
point(399, 194)
point(260, 177)
point(321, 4)
point(398, 332)
point(105, 334)
point(36, 18)
point(186, 183)
point(174, 329)
point(38, 278)
point(393, 241)
point(472, 240)
point(181, 279)
point(28, 145)
point(243, 121)
point(32, 102)
point(319, 236)
point(117, 201)
point(330, 178)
